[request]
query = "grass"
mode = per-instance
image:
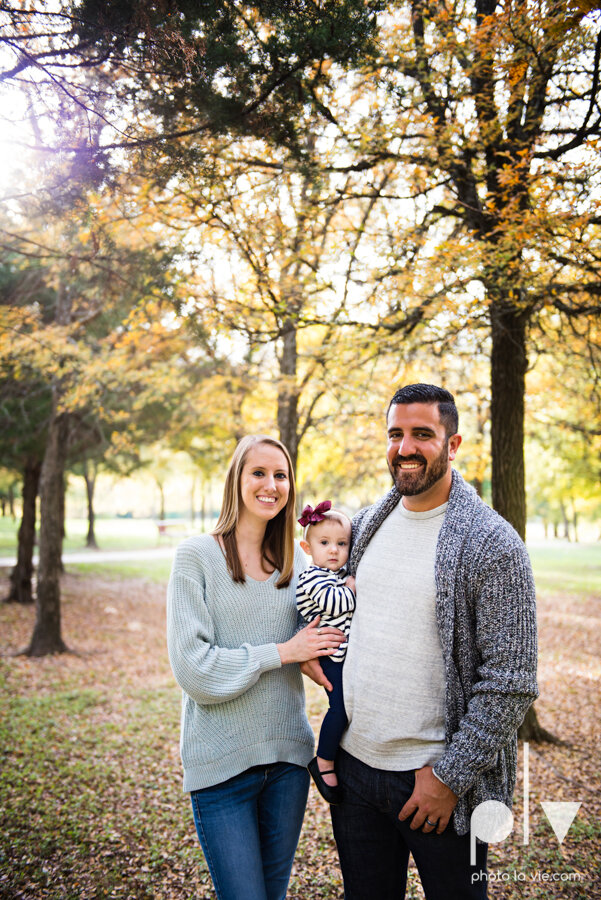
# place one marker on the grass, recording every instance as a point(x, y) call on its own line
point(111, 534)
point(154, 570)
point(90, 783)
point(90, 793)
point(72, 763)
point(575, 568)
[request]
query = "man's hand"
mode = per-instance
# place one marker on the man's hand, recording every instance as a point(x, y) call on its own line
point(431, 801)
point(313, 670)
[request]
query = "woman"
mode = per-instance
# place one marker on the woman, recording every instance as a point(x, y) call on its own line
point(234, 649)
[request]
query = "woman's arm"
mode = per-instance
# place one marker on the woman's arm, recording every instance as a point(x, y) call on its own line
point(209, 673)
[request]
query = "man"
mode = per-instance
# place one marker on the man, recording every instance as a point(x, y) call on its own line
point(440, 668)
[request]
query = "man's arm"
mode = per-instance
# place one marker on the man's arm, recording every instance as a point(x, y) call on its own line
point(505, 684)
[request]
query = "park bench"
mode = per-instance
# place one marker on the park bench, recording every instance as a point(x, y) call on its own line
point(172, 527)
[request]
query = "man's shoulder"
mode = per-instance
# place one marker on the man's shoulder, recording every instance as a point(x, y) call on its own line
point(366, 522)
point(376, 511)
point(467, 512)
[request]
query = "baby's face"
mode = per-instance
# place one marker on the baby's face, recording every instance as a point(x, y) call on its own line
point(329, 543)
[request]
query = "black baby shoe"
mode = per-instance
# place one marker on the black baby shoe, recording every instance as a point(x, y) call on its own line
point(333, 794)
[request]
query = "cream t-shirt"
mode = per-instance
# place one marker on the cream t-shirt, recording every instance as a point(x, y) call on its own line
point(394, 681)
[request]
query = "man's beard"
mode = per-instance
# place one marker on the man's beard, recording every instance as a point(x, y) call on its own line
point(410, 482)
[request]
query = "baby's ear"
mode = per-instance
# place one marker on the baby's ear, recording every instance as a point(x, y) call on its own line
point(305, 547)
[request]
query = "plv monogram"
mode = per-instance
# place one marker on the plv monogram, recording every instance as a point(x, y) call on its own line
point(492, 821)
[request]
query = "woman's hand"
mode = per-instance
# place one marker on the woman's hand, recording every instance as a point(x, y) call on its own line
point(311, 642)
point(312, 669)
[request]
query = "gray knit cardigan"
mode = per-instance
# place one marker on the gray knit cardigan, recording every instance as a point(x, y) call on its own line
point(486, 614)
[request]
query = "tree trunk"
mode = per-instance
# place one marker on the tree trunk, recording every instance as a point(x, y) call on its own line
point(162, 496)
point(508, 389)
point(566, 523)
point(288, 394)
point(89, 474)
point(46, 637)
point(62, 494)
point(508, 372)
point(203, 507)
point(532, 730)
point(192, 502)
point(21, 575)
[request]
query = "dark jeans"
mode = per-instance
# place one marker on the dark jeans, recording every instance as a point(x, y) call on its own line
point(249, 827)
point(335, 720)
point(374, 845)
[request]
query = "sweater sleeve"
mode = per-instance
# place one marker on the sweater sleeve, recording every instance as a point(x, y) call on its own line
point(326, 591)
point(206, 672)
point(505, 680)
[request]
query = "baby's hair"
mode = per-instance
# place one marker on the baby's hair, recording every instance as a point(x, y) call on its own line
point(336, 514)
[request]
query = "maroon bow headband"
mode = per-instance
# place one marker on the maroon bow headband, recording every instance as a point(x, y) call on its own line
point(310, 516)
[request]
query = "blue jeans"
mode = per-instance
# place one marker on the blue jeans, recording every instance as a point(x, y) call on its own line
point(374, 845)
point(249, 826)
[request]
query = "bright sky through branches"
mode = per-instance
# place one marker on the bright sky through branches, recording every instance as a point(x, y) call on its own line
point(15, 133)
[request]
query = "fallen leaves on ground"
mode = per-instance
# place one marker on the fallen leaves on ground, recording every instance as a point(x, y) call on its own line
point(90, 787)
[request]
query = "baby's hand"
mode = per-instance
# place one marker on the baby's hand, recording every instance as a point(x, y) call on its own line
point(350, 583)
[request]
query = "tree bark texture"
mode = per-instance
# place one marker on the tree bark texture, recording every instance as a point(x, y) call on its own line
point(161, 501)
point(508, 372)
point(47, 637)
point(89, 474)
point(288, 394)
point(21, 575)
point(532, 730)
point(508, 389)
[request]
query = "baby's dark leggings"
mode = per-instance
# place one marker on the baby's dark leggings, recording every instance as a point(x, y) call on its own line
point(335, 720)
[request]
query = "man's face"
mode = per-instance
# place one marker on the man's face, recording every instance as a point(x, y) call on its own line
point(419, 452)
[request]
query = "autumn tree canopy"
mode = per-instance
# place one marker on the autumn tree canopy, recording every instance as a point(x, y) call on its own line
point(330, 198)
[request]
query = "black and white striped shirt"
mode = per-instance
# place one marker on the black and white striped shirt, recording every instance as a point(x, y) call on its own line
point(321, 592)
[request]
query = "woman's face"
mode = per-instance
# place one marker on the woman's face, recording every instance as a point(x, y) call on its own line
point(264, 482)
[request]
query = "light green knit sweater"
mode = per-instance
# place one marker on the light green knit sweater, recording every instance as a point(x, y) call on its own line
point(241, 706)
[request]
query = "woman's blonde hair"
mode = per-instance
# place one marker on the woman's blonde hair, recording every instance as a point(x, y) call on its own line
point(278, 542)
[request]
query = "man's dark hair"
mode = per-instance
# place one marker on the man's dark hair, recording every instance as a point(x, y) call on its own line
point(430, 393)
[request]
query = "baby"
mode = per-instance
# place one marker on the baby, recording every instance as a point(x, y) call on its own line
point(323, 591)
